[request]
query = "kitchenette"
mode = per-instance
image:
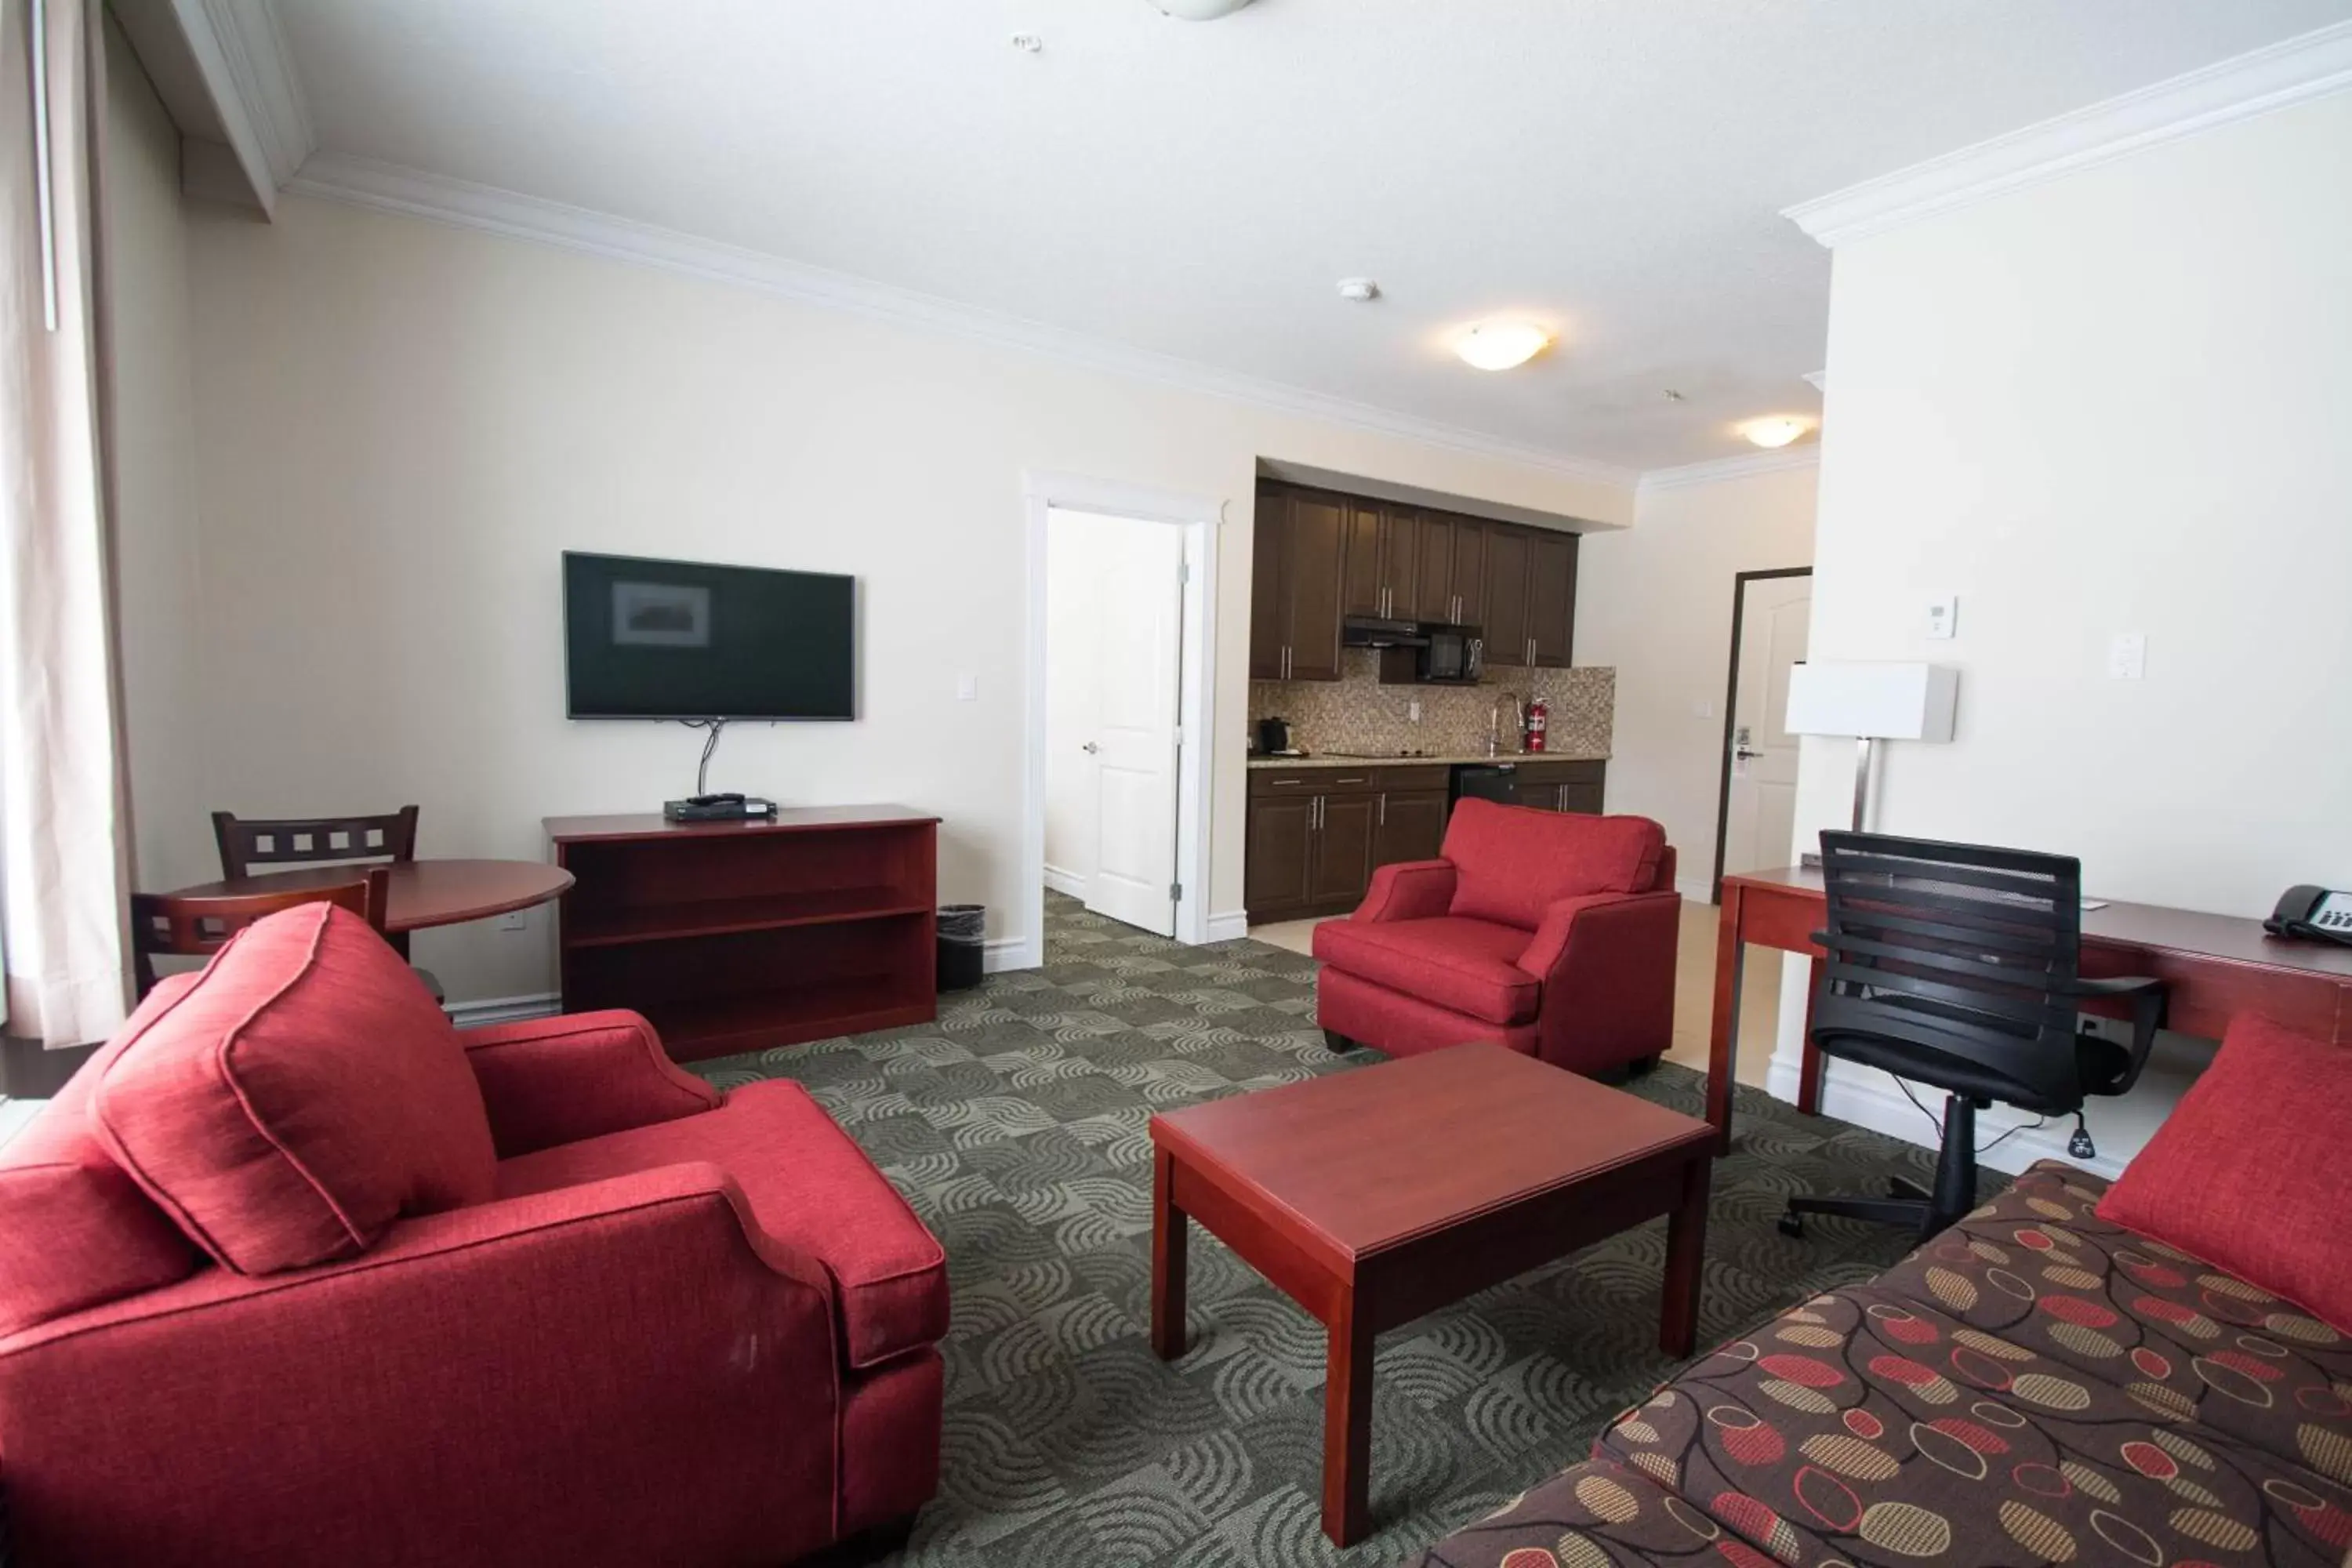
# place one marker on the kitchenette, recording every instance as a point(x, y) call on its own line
point(1403, 659)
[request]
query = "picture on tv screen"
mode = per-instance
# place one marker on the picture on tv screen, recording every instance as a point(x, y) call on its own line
point(686, 640)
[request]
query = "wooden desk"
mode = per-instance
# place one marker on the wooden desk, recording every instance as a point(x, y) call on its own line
point(2213, 967)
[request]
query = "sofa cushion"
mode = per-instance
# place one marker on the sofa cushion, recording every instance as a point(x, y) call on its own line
point(2253, 1171)
point(2041, 1268)
point(807, 1184)
point(1512, 863)
point(1459, 964)
point(296, 1099)
point(75, 1229)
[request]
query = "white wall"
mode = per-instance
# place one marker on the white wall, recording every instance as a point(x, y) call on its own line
point(403, 424)
point(153, 452)
point(2115, 402)
point(1655, 601)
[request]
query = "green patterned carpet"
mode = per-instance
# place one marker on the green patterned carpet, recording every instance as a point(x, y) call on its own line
point(1015, 1125)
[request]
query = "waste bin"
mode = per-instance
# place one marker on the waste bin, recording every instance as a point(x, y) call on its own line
point(963, 928)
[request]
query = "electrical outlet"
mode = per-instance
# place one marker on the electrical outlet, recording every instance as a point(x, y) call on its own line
point(1703, 709)
point(967, 688)
point(2127, 656)
point(515, 919)
point(1413, 709)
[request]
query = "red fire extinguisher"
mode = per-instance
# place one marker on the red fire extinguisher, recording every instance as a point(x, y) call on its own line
point(1538, 717)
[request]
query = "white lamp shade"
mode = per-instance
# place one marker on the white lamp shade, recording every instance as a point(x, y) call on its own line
point(1890, 702)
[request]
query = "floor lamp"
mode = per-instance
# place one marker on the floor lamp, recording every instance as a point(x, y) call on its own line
point(1871, 703)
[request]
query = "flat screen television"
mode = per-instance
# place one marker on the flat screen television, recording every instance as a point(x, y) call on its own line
point(686, 640)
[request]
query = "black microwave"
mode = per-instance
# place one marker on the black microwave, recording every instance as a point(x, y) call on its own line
point(1437, 656)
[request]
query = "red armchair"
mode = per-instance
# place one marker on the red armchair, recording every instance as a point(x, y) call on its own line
point(638, 1322)
point(1553, 934)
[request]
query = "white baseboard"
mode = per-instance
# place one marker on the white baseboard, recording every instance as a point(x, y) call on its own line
point(1231, 926)
point(1697, 889)
point(504, 1009)
point(1013, 953)
point(1063, 881)
point(1870, 1099)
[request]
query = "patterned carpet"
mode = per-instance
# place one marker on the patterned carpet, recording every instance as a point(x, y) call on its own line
point(1015, 1125)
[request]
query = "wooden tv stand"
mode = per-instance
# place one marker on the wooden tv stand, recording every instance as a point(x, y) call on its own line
point(736, 936)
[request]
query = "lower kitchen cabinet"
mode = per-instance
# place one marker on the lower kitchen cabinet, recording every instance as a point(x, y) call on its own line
point(1277, 876)
point(1561, 785)
point(1315, 834)
point(1411, 826)
point(1342, 859)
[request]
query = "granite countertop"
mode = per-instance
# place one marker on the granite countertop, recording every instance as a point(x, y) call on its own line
point(1326, 761)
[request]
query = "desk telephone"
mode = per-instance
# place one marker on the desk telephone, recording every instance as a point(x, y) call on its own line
point(2313, 912)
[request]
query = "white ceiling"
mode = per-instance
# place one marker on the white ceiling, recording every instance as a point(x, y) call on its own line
point(1614, 167)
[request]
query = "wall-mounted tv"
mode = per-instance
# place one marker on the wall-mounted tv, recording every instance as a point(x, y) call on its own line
point(686, 640)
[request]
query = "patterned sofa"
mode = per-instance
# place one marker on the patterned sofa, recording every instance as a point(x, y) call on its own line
point(2034, 1385)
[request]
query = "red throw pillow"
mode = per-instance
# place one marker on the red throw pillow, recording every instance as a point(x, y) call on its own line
point(2253, 1171)
point(1512, 863)
point(302, 1095)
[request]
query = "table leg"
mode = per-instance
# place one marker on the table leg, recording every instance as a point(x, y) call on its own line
point(1723, 1040)
point(1686, 1257)
point(1170, 1231)
point(1809, 1069)
point(1347, 1426)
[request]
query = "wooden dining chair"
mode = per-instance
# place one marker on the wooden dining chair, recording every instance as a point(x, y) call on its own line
point(250, 842)
point(168, 925)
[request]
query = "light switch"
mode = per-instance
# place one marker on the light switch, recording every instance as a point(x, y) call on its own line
point(1943, 616)
point(967, 688)
point(2127, 656)
point(1703, 709)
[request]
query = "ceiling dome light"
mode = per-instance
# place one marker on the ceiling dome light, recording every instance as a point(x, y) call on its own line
point(1777, 431)
point(1501, 345)
point(1200, 10)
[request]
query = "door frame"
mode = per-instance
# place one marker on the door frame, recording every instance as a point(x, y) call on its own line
point(1739, 581)
point(1201, 517)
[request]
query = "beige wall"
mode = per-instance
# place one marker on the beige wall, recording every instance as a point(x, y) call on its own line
point(154, 455)
point(403, 424)
point(2115, 402)
point(1655, 602)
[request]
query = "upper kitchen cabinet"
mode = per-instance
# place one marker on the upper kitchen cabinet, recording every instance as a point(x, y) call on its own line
point(1300, 547)
point(1469, 552)
point(1505, 623)
point(1551, 599)
point(1383, 561)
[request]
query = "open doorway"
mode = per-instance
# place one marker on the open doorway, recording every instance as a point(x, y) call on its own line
point(1121, 643)
point(1755, 809)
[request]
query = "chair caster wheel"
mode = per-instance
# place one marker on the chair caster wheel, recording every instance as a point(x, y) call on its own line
point(1793, 1227)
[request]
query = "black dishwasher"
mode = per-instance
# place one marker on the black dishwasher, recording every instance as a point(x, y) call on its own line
point(1483, 781)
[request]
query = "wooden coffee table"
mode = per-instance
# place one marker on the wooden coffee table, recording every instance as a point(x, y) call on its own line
point(1373, 1196)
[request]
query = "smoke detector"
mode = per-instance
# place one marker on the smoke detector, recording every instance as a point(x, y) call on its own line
point(1362, 290)
point(1200, 10)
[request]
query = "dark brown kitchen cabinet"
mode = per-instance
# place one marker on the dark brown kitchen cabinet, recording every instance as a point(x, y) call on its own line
point(1551, 599)
point(1469, 572)
point(1411, 826)
point(1280, 845)
point(1342, 861)
point(1506, 622)
point(1433, 586)
point(1300, 542)
point(1383, 561)
point(1561, 785)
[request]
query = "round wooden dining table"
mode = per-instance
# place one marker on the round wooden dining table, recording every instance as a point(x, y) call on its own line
point(421, 892)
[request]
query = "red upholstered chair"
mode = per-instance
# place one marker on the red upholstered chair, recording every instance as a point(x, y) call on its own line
point(1553, 934)
point(294, 1272)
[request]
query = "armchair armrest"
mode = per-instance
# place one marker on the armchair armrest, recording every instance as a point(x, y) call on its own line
point(1600, 917)
point(1607, 962)
point(1407, 890)
point(466, 1378)
point(547, 1081)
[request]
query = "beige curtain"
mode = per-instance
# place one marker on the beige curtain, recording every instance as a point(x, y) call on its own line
point(63, 863)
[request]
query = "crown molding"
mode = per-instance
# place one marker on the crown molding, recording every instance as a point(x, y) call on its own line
point(260, 70)
point(1747, 465)
point(387, 187)
point(2293, 70)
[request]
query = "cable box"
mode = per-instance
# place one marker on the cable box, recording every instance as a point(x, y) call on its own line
point(740, 808)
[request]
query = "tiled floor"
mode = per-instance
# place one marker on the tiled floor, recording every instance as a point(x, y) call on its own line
point(1694, 989)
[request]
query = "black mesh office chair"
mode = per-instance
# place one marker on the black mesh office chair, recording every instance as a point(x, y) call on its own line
point(1958, 966)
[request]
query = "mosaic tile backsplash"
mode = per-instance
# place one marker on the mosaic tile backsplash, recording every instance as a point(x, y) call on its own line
point(1357, 714)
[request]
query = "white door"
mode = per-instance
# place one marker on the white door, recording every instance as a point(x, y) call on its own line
point(1139, 642)
point(1762, 814)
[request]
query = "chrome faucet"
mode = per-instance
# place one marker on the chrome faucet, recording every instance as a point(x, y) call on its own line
point(1494, 721)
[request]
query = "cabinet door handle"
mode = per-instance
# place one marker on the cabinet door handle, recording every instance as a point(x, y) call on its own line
point(1286, 783)
point(1351, 780)
point(1384, 811)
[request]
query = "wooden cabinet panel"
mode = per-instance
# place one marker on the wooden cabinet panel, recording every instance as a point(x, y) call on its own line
point(1341, 860)
point(1269, 585)
point(1580, 797)
point(1401, 563)
point(1469, 572)
point(1411, 826)
point(1280, 851)
point(1361, 581)
point(1551, 598)
point(1507, 594)
point(1433, 585)
point(1317, 550)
